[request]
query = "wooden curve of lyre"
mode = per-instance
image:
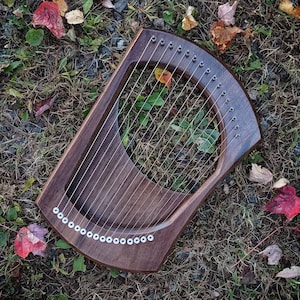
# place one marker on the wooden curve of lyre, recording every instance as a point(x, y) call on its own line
point(102, 204)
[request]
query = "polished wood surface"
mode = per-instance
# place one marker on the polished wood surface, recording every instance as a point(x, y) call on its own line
point(240, 133)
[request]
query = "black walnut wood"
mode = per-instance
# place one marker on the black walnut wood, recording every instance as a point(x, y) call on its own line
point(119, 178)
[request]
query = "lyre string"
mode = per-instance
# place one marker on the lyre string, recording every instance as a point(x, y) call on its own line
point(99, 132)
point(95, 167)
point(178, 112)
point(120, 158)
point(165, 171)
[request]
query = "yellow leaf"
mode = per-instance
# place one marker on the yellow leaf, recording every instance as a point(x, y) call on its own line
point(189, 21)
point(163, 76)
point(288, 7)
point(62, 6)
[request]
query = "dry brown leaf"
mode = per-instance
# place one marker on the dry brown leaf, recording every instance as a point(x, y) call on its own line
point(226, 13)
point(273, 253)
point(62, 6)
point(292, 272)
point(107, 4)
point(260, 174)
point(74, 17)
point(288, 7)
point(189, 21)
point(280, 183)
point(223, 35)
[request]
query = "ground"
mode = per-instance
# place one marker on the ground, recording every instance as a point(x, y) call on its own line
point(75, 70)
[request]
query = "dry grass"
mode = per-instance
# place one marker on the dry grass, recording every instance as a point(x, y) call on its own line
point(223, 230)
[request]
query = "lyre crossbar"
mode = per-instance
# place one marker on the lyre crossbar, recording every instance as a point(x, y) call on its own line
point(147, 155)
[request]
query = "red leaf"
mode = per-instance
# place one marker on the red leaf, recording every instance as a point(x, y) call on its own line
point(286, 202)
point(47, 14)
point(30, 239)
point(42, 106)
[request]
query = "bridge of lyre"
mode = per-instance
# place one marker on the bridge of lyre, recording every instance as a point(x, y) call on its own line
point(147, 155)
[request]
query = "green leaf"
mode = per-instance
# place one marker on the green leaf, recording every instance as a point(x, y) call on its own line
point(87, 4)
point(143, 105)
point(144, 119)
point(62, 244)
point(3, 238)
point(9, 3)
point(168, 17)
point(78, 264)
point(14, 93)
point(34, 36)
point(62, 297)
point(11, 214)
point(27, 185)
point(114, 273)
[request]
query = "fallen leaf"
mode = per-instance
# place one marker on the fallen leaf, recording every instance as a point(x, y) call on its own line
point(288, 7)
point(292, 272)
point(189, 21)
point(260, 174)
point(223, 35)
point(163, 76)
point(30, 239)
point(280, 183)
point(42, 106)
point(62, 6)
point(285, 202)
point(226, 13)
point(273, 253)
point(47, 14)
point(74, 17)
point(107, 4)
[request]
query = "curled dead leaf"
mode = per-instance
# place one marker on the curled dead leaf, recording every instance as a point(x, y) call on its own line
point(280, 183)
point(226, 13)
point(62, 6)
point(292, 272)
point(189, 21)
point(273, 253)
point(74, 17)
point(288, 7)
point(107, 4)
point(223, 35)
point(260, 174)
point(163, 76)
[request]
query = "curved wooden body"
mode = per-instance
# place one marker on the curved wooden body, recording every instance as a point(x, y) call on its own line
point(146, 245)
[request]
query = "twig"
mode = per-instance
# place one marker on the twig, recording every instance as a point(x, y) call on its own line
point(263, 240)
point(7, 228)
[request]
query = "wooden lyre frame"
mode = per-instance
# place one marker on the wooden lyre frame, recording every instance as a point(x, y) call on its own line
point(97, 198)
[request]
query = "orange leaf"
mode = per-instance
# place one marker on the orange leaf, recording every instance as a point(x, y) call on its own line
point(62, 6)
point(189, 21)
point(163, 76)
point(288, 7)
point(223, 35)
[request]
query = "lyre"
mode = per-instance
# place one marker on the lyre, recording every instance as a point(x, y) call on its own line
point(105, 196)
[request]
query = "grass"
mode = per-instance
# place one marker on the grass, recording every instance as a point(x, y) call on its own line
point(222, 231)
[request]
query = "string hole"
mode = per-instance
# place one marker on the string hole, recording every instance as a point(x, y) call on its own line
point(236, 127)
point(187, 53)
point(65, 220)
point(223, 93)
point(150, 237)
point(83, 231)
point(143, 239)
point(71, 224)
point(60, 215)
point(171, 45)
point(207, 71)
point(162, 42)
point(219, 85)
point(194, 58)
point(231, 109)
point(179, 49)
point(122, 241)
point(227, 100)
point(237, 136)
point(201, 64)
point(129, 241)
point(89, 234)
point(116, 241)
point(77, 228)
point(109, 239)
point(102, 239)
point(214, 78)
point(136, 240)
point(153, 39)
point(233, 118)
point(55, 210)
point(96, 236)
